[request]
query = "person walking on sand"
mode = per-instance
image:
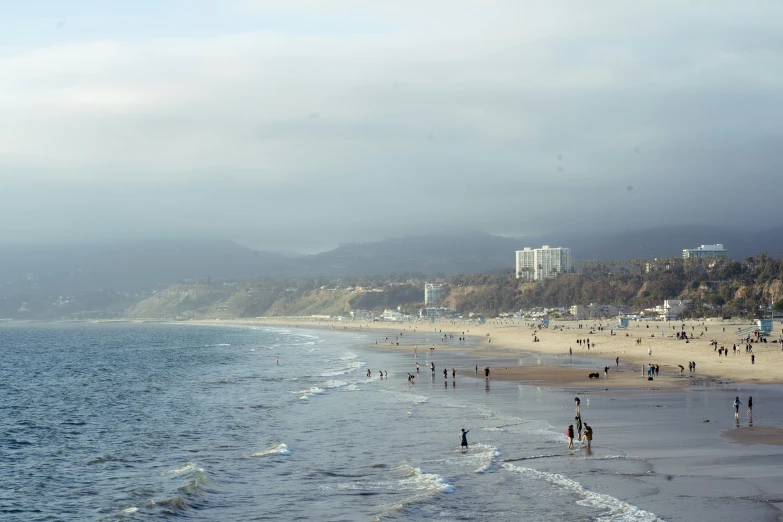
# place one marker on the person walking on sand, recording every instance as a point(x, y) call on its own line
point(570, 435)
point(649, 352)
point(576, 401)
point(606, 372)
point(737, 404)
point(617, 361)
point(464, 438)
point(588, 435)
point(750, 406)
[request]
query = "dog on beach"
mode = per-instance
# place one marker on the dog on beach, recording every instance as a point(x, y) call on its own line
point(595, 375)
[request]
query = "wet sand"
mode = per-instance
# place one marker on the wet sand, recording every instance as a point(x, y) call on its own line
point(695, 460)
point(751, 435)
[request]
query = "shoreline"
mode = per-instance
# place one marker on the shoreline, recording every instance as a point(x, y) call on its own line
point(511, 339)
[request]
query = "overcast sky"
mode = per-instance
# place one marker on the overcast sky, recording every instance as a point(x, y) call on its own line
point(300, 124)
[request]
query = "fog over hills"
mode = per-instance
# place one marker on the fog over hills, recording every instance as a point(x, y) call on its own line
point(146, 265)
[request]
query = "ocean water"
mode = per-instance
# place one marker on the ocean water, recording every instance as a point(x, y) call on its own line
point(151, 421)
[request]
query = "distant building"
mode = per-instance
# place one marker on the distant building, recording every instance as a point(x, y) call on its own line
point(533, 264)
point(362, 315)
point(391, 315)
point(438, 311)
point(526, 264)
point(431, 295)
point(671, 309)
point(597, 311)
point(705, 251)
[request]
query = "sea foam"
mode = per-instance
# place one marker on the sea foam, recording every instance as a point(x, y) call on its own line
point(415, 478)
point(615, 510)
point(280, 449)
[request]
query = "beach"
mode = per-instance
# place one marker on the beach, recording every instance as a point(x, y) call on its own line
point(239, 420)
point(509, 336)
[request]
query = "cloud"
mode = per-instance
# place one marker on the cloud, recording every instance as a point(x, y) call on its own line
point(466, 104)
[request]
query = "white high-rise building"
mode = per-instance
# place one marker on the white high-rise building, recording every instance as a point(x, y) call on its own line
point(541, 263)
point(526, 264)
point(705, 251)
point(431, 294)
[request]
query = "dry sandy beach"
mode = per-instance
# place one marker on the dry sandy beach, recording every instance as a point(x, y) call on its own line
point(501, 337)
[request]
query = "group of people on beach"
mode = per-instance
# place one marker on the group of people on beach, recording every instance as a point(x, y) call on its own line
point(383, 375)
point(737, 405)
point(584, 432)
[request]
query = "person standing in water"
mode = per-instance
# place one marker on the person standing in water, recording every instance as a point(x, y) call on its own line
point(737, 404)
point(464, 438)
point(578, 420)
point(570, 435)
point(588, 435)
point(277, 360)
point(576, 400)
point(750, 406)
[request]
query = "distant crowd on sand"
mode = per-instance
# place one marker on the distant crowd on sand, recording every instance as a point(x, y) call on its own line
point(580, 431)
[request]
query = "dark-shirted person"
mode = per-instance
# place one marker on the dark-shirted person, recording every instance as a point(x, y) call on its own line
point(464, 438)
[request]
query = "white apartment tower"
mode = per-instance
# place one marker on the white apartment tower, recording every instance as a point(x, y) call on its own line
point(541, 263)
point(431, 294)
point(706, 251)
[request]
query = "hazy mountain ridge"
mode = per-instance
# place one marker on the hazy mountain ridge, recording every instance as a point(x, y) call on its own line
point(54, 282)
point(715, 288)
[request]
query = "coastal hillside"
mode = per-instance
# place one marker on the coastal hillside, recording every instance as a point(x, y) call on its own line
point(100, 281)
point(194, 301)
point(715, 287)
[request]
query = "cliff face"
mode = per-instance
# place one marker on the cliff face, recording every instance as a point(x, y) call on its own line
point(183, 301)
point(231, 302)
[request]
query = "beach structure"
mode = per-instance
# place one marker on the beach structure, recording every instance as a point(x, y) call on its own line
point(436, 311)
point(671, 309)
point(392, 316)
point(533, 264)
point(705, 251)
point(761, 328)
point(621, 323)
point(432, 294)
point(597, 311)
point(362, 315)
